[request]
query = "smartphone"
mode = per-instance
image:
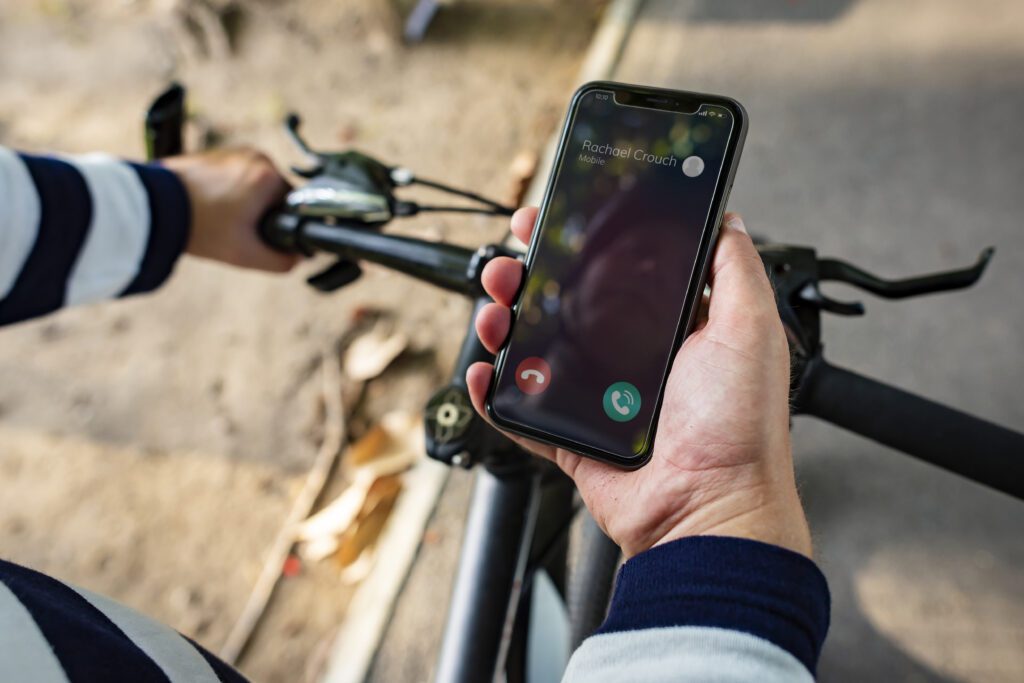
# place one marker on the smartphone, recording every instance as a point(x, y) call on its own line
point(616, 267)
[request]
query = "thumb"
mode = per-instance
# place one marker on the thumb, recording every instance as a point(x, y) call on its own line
point(739, 285)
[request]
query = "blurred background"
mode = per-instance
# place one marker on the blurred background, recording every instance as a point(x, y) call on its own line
point(151, 449)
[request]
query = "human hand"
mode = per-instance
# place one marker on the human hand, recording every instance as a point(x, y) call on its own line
point(722, 463)
point(230, 191)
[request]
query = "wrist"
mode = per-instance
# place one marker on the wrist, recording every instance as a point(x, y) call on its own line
point(769, 514)
point(229, 192)
point(182, 167)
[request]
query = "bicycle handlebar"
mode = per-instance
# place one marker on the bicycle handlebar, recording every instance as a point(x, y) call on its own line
point(945, 437)
point(445, 265)
point(966, 445)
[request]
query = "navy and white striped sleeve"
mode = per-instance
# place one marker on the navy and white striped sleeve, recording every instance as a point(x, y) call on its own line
point(710, 609)
point(51, 632)
point(75, 230)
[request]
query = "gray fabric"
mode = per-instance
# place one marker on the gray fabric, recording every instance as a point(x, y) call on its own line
point(25, 654)
point(118, 232)
point(19, 218)
point(178, 659)
point(683, 653)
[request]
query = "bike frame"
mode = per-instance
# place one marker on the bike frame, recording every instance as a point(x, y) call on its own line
point(522, 506)
point(515, 527)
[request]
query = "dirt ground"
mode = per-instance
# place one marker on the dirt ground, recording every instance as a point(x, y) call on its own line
point(150, 449)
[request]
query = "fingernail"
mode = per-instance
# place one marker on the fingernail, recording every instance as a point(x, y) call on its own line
point(736, 223)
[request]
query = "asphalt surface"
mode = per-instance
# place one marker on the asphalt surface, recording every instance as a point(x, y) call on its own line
point(886, 134)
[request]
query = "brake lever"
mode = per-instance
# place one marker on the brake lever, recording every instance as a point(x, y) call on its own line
point(340, 273)
point(841, 271)
point(812, 294)
point(351, 186)
point(794, 274)
point(403, 177)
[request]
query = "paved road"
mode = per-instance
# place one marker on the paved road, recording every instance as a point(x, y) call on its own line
point(888, 134)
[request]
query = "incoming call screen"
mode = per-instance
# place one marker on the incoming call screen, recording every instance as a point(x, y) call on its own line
point(594, 331)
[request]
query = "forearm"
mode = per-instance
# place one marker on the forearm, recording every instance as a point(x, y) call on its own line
point(81, 229)
point(710, 609)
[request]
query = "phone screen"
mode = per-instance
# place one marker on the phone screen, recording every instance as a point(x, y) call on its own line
point(617, 244)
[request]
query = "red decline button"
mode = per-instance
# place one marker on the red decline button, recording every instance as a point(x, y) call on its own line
point(533, 375)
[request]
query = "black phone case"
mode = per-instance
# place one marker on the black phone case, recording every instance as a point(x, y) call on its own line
point(693, 293)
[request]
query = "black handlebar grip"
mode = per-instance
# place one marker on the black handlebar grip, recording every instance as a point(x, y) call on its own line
point(966, 445)
point(280, 230)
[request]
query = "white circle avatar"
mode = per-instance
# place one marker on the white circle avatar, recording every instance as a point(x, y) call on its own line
point(693, 166)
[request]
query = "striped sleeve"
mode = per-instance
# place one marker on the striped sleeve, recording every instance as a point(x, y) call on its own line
point(81, 229)
point(710, 609)
point(51, 632)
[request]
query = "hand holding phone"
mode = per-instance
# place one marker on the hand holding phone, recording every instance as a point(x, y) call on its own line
point(616, 268)
point(721, 462)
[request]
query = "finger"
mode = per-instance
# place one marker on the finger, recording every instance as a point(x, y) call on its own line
point(492, 324)
point(272, 261)
point(739, 284)
point(589, 475)
point(501, 278)
point(523, 222)
point(272, 188)
point(478, 381)
point(702, 312)
point(279, 261)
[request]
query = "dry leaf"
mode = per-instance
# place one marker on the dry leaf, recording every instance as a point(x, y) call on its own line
point(360, 569)
point(379, 503)
point(372, 352)
point(339, 515)
point(319, 548)
point(522, 170)
point(368, 447)
point(351, 522)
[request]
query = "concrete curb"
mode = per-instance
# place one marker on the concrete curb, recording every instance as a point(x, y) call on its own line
point(599, 64)
point(367, 615)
